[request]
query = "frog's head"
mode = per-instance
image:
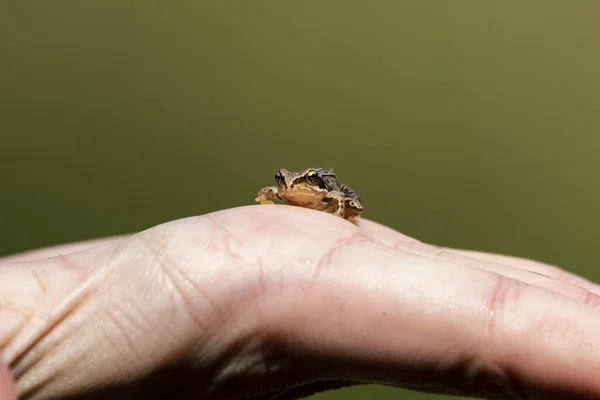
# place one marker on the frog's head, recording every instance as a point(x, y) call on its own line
point(305, 187)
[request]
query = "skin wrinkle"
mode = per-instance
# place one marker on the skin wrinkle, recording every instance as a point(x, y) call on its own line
point(249, 263)
point(281, 282)
point(110, 340)
point(214, 247)
point(326, 259)
point(263, 286)
point(227, 373)
point(10, 307)
point(560, 332)
point(156, 274)
point(164, 258)
point(554, 335)
point(255, 363)
point(35, 359)
point(43, 288)
point(532, 266)
point(482, 377)
point(61, 249)
point(505, 295)
point(65, 261)
point(39, 385)
point(504, 292)
point(261, 273)
point(229, 238)
point(430, 251)
point(250, 260)
point(592, 300)
point(12, 354)
point(560, 287)
point(175, 269)
point(563, 275)
point(139, 325)
point(170, 269)
point(122, 330)
point(381, 233)
point(22, 355)
point(276, 364)
point(28, 312)
point(181, 292)
point(54, 372)
point(269, 226)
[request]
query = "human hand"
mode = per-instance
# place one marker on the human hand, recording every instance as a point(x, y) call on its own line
point(6, 384)
point(282, 302)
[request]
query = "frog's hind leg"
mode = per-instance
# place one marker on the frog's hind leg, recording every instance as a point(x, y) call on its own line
point(265, 194)
point(349, 192)
point(339, 205)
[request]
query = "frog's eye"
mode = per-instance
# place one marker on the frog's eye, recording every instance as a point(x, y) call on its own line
point(278, 177)
point(312, 177)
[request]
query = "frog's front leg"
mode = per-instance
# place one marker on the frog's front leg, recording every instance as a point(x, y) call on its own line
point(338, 205)
point(266, 193)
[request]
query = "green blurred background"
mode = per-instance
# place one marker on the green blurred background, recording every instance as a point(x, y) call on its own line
point(463, 123)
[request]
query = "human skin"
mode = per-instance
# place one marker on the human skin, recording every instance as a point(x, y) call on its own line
point(6, 384)
point(281, 302)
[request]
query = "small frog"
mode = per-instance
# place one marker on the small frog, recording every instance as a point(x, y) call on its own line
point(316, 188)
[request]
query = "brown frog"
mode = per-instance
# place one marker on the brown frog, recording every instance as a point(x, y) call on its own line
point(316, 188)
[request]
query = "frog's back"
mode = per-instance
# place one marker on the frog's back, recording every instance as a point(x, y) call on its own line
point(329, 177)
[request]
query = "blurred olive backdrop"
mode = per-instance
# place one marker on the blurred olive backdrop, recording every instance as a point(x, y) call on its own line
point(463, 123)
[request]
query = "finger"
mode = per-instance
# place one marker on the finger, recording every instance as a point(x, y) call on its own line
point(533, 266)
point(530, 272)
point(381, 233)
point(413, 319)
point(561, 287)
point(58, 250)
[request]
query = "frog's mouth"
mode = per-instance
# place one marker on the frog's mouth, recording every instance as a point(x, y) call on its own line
point(301, 195)
point(302, 188)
